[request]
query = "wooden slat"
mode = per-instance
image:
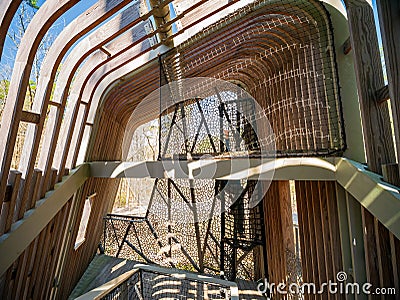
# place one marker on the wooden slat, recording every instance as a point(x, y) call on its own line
point(325, 232)
point(13, 243)
point(15, 180)
point(375, 117)
point(35, 190)
point(6, 209)
point(385, 266)
point(318, 234)
point(391, 175)
point(307, 268)
point(370, 247)
point(357, 240)
point(30, 117)
point(334, 233)
point(389, 21)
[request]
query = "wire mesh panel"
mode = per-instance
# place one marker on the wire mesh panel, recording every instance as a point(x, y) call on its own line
point(200, 246)
point(282, 53)
point(221, 123)
point(128, 289)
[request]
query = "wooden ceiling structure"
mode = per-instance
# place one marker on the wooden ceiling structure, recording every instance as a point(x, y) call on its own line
point(100, 68)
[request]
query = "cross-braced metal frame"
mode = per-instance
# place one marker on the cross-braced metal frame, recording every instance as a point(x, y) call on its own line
point(203, 225)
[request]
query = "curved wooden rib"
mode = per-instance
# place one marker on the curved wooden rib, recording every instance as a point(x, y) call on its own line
point(38, 27)
point(94, 41)
point(7, 10)
point(75, 30)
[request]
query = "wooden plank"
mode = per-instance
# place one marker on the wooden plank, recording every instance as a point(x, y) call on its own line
point(7, 10)
point(318, 233)
point(389, 21)
point(15, 180)
point(385, 266)
point(6, 209)
point(324, 200)
point(34, 194)
point(370, 247)
point(356, 235)
point(390, 173)
point(345, 234)
point(30, 117)
point(304, 237)
point(40, 23)
point(376, 128)
point(311, 233)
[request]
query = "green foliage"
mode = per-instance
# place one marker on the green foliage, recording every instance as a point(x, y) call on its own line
point(185, 266)
point(32, 3)
point(4, 86)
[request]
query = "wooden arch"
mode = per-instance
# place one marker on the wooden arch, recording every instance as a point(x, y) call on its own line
point(115, 70)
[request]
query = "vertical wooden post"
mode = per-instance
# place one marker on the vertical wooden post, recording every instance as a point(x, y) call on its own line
point(344, 229)
point(389, 20)
point(391, 175)
point(375, 120)
point(375, 117)
point(356, 240)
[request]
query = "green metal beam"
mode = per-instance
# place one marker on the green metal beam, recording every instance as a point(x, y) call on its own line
point(378, 197)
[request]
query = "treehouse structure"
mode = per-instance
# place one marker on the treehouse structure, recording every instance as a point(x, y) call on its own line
point(277, 150)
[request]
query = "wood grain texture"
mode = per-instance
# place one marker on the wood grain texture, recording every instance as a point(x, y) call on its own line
point(375, 118)
point(389, 20)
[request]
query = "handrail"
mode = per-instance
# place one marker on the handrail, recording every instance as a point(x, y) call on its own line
point(24, 231)
point(103, 290)
point(377, 196)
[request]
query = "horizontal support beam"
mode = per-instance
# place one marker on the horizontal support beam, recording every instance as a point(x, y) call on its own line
point(377, 196)
point(30, 117)
point(24, 231)
point(223, 169)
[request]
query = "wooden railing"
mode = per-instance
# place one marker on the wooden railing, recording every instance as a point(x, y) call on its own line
point(140, 283)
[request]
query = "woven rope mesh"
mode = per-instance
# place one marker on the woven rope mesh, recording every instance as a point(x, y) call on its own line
point(283, 55)
point(152, 285)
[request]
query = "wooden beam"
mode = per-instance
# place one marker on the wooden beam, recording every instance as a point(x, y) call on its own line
point(378, 197)
point(30, 117)
point(356, 236)
point(389, 20)
point(238, 168)
point(375, 118)
point(23, 232)
point(41, 22)
point(7, 11)
point(344, 228)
